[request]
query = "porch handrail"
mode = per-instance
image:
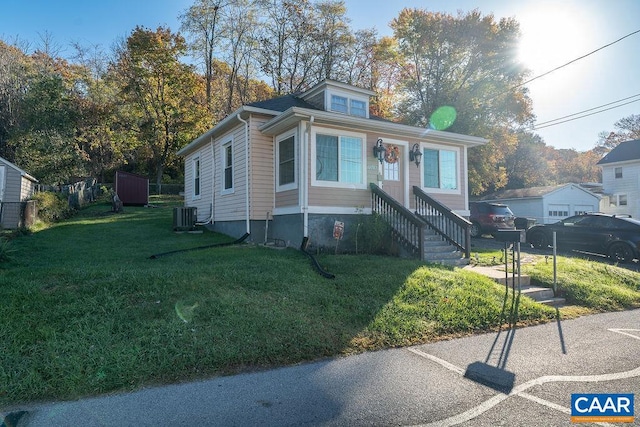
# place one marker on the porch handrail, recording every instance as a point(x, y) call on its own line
point(405, 224)
point(448, 224)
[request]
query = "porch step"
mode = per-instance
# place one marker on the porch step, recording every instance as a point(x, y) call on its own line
point(537, 293)
point(542, 295)
point(454, 258)
point(453, 262)
point(438, 251)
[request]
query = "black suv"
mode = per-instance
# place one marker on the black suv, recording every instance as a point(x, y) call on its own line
point(488, 218)
point(617, 236)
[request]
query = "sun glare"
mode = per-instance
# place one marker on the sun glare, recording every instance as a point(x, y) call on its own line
point(552, 35)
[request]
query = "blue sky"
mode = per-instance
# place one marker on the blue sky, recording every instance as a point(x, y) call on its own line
point(554, 33)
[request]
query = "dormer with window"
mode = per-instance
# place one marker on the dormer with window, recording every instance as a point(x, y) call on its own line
point(340, 98)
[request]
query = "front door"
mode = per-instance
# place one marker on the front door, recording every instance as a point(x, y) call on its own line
point(393, 173)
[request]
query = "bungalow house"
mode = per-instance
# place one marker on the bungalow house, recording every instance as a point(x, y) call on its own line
point(621, 179)
point(547, 204)
point(16, 186)
point(301, 169)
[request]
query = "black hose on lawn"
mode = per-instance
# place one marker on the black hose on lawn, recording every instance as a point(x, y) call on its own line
point(215, 245)
point(316, 264)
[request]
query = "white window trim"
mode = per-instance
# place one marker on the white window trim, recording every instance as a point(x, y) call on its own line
point(614, 201)
point(459, 171)
point(223, 159)
point(292, 185)
point(332, 184)
point(196, 160)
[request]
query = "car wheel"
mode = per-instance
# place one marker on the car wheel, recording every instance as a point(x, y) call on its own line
point(538, 240)
point(621, 252)
point(475, 230)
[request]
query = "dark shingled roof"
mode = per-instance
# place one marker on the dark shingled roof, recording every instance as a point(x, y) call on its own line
point(282, 103)
point(629, 150)
point(520, 193)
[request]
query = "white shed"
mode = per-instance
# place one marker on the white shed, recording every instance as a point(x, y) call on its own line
point(548, 204)
point(16, 186)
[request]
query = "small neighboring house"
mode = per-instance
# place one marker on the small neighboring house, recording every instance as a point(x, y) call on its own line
point(547, 204)
point(621, 179)
point(298, 168)
point(16, 186)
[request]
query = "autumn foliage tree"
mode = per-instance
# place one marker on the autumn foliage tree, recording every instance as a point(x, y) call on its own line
point(468, 62)
point(627, 129)
point(134, 107)
point(163, 93)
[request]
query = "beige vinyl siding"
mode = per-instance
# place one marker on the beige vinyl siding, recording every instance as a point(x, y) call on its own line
point(231, 206)
point(339, 197)
point(287, 198)
point(262, 170)
point(202, 203)
point(453, 202)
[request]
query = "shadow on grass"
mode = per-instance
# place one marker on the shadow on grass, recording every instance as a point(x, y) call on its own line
point(497, 377)
point(494, 374)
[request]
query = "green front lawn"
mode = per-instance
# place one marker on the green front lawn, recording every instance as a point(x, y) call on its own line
point(86, 311)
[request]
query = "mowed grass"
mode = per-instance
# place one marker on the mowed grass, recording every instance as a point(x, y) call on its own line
point(86, 311)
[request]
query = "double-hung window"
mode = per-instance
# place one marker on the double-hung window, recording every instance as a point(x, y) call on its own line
point(358, 108)
point(440, 169)
point(196, 177)
point(348, 105)
point(339, 104)
point(618, 172)
point(339, 160)
point(227, 159)
point(286, 163)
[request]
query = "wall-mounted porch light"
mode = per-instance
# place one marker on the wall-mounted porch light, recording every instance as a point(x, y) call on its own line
point(415, 155)
point(379, 150)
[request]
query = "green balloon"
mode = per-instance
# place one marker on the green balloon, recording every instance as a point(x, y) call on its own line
point(442, 118)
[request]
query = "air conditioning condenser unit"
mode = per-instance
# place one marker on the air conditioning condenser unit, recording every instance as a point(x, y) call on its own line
point(184, 218)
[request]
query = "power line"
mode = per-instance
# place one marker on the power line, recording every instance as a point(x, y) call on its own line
point(571, 117)
point(586, 115)
point(585, 111)
point(564, 65)
point(577, 59)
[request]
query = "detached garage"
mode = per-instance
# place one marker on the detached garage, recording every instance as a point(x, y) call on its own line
point(16, 187)
point(547, 204)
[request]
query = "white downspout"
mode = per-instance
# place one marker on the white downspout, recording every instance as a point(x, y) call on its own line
point(246, 174)
point(304, 179)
